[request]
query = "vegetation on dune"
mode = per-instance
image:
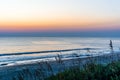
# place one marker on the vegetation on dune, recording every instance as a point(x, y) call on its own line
point(90, 72)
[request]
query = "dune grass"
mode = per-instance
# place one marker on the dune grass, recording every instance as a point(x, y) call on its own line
point(90, 72)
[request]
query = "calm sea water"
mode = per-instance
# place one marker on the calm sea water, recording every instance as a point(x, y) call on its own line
point(29, 44)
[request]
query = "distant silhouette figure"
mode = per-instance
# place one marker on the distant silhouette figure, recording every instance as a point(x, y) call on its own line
point(111, 45)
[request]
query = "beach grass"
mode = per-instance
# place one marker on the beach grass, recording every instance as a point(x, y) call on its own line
point(92, 71)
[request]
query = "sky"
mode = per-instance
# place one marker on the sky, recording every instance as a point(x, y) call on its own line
point(59, 16)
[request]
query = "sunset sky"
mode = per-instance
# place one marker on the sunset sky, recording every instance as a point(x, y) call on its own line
point(59, 15)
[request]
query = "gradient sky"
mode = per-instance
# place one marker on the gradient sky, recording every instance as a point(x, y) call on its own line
point(59, 15)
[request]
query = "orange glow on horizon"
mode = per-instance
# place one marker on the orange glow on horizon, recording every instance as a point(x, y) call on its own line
point(58, 24)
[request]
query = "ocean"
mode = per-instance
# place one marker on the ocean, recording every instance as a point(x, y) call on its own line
point(19, 50)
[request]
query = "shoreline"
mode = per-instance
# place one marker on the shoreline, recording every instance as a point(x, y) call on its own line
point(49, 51)
point(26, 57)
